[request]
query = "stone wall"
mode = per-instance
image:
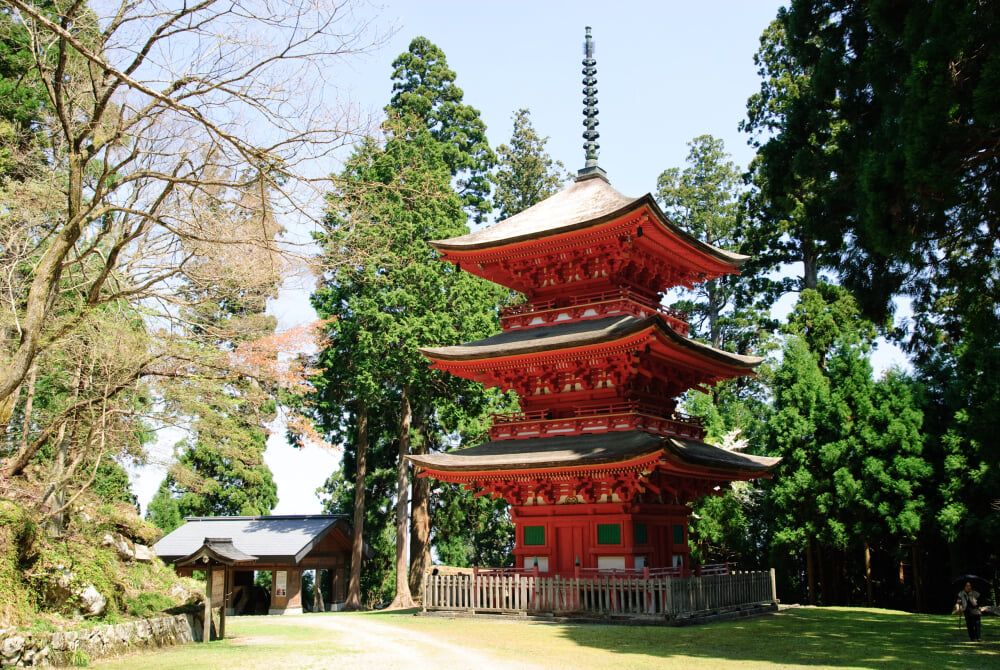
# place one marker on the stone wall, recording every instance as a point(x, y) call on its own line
point(23, 649)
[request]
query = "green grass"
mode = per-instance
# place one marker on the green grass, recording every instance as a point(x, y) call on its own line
point(843, 638)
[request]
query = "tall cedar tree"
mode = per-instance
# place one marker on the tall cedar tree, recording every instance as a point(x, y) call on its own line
point(525, 173)
point(220, 468)
point(731, 313)
point(788, 201)
point(393, 199)
point(424, 88)
point(704, 200)
point(903, 99)
point(908, 95)
point(851, 484)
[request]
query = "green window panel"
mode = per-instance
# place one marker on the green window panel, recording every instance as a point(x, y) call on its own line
point(640, 533)
point(678, 534)
point(534, 535)
point(609, 533)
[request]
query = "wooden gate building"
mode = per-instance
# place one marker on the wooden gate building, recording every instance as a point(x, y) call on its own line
point(285, 546)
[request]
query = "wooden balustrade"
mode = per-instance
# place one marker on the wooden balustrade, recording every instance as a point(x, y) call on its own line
point(595, 418)
point(593, 305)
point(607, 594)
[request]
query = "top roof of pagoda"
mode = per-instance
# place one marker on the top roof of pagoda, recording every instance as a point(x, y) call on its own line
point(587, 202)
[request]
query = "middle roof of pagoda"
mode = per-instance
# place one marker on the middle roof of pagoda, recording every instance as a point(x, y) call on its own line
point(588, 202)
point(568, 336)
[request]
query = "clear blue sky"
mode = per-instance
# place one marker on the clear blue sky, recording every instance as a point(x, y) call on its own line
point(667, 71)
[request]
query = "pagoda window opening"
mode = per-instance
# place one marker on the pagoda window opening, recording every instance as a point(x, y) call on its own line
point(534, 536)
point(609, 533)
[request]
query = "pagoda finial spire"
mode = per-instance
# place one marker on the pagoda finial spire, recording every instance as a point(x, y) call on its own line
point(590, 122)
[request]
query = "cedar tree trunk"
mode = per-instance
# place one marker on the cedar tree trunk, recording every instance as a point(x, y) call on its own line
point(868, 574)
point(357, 542)
point(403, 598)
point(420, 521)
point(811, 572)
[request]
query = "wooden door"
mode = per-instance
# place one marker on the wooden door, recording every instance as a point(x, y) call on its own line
point(569, 547)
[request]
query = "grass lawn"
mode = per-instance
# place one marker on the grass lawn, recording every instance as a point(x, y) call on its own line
point(833, 637)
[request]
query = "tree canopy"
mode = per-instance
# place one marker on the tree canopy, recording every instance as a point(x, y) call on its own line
point(394, 197)
point(525, 173)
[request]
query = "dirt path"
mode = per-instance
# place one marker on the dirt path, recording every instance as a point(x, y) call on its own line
point(378, 645)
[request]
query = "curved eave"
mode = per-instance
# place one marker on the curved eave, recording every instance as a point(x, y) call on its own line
point(595, 333)
point(574, 455)
point(695, 452)
point(474, 244)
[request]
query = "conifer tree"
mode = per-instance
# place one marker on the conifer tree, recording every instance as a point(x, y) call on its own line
point(525, 173)
point(788, 200)
point(852, 480)
point(704, 200)
point(394, 197)
point(220, 467)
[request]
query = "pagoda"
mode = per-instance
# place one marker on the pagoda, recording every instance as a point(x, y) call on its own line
point(599, 468)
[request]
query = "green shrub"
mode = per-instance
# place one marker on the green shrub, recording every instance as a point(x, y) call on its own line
point(79, 659)
point(146, 604)
point(18, 550)
point(42, 626)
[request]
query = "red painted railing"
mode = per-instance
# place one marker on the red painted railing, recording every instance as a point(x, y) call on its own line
point(594, 419)
point(589, 306)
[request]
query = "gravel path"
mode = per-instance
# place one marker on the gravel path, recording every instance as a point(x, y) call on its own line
point(378, 645)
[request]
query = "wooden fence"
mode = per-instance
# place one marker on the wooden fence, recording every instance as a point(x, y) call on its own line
point(602, 594)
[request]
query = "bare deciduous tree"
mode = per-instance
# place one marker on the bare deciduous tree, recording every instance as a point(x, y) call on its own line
point(177, 137)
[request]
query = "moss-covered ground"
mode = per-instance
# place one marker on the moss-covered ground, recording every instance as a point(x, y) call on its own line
point(36, 564)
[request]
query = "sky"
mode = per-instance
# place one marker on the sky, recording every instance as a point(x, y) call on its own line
point(667, 71)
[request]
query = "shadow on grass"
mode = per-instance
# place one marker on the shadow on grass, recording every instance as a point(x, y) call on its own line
point(822, 637)
point(409, 611)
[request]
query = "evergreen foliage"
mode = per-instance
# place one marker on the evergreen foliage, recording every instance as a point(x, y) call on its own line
point(876, 126)
point(704, 200)
point(394, 197)
point(853, 475)
point(789, 200)
point(525, 173)
point(904, 99)
point(225, 478)
point(424, 89)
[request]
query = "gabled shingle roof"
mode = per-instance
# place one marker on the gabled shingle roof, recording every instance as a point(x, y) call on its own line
point(219, 550)
point(272, 539)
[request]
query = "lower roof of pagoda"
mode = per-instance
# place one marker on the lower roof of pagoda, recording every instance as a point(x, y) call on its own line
point(550, 455)
point(588, 333)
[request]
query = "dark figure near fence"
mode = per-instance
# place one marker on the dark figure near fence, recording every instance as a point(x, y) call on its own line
point(968, 603)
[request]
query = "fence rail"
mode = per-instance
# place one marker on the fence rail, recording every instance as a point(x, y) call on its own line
point(602, 594)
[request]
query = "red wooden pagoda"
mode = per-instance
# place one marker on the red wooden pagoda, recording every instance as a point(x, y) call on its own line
point(598, 466)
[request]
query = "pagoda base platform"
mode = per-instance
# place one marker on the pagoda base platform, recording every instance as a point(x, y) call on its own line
point(600, 536)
